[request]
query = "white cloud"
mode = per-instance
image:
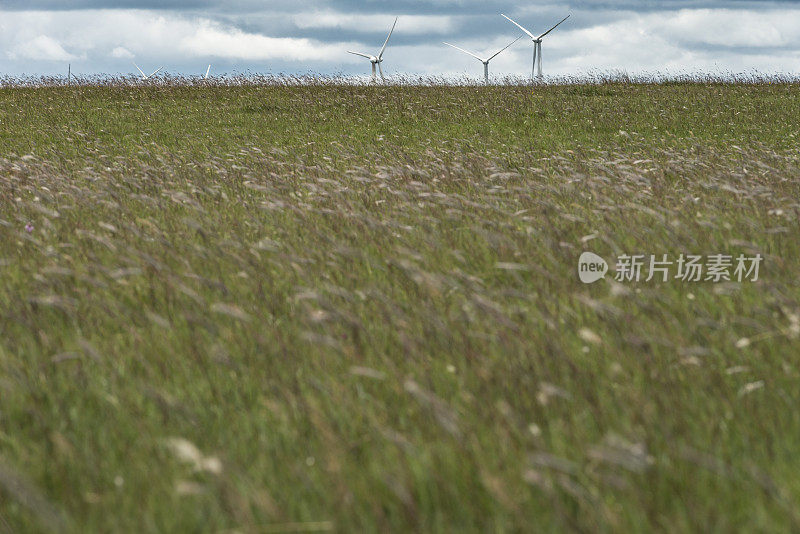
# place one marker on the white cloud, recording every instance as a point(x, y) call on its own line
point(212, 40)
point(40, 48)
point(685, 41)
point(151, 36)
point(730, 27)
point(121, 52)
point(409, 24)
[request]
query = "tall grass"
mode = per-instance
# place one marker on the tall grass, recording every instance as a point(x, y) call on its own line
point(332, 307)
point(250, 79)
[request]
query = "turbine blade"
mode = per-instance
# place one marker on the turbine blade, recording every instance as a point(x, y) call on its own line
point(520, 27)
point(380, 69)
point(359, 54)
point(465, 51)
point(556, 26)
point(207, 72)
point(156, 71)
point(504, 48)
point(387, 39)
point(140, 71)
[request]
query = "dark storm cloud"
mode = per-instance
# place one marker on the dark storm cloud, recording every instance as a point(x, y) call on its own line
point(400, 6)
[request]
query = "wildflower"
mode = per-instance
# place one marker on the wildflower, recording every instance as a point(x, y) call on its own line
point(29, 228)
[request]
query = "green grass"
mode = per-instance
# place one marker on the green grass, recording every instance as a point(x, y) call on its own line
point(357, 309)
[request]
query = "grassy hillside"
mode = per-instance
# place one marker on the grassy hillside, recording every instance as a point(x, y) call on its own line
point(353, 308)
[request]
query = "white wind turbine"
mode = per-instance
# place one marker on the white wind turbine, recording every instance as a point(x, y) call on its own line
point(146, 76)
point(487, 60)
point(537, 45)
point(377, 60)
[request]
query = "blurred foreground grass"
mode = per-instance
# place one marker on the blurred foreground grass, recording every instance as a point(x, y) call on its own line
point(353, 308)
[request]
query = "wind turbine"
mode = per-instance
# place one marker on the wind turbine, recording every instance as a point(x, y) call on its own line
point(146, 76)
point(487, 60)
point(377, 60)
point(208, 71)
point(537, 45)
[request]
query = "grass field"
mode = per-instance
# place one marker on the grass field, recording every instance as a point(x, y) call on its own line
point(283, 309)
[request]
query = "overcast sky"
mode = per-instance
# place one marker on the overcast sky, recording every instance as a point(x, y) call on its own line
point(184, 36)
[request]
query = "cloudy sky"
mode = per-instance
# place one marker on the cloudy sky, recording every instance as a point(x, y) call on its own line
point(274, 36)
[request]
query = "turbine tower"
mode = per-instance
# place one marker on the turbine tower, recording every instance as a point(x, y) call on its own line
point(146, 76)
point(487, 60)
point(537, 45)
point(377, 60)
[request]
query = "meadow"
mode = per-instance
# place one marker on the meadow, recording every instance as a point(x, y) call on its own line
point(323, 307)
